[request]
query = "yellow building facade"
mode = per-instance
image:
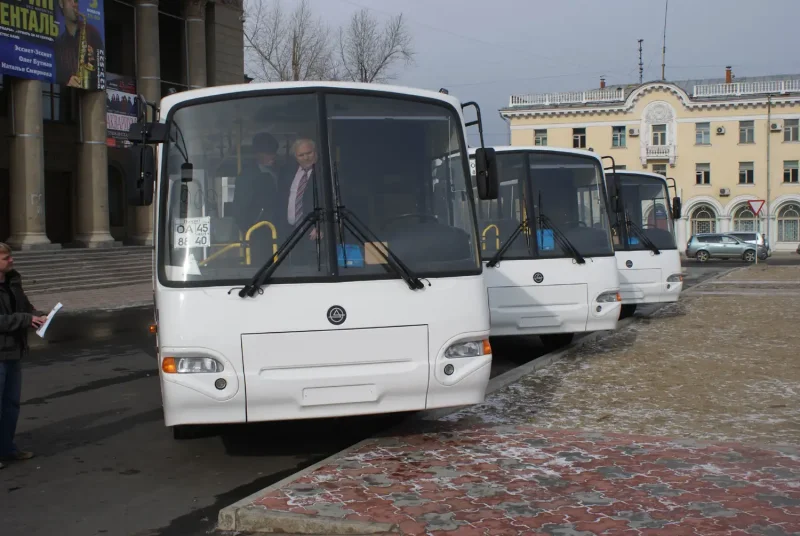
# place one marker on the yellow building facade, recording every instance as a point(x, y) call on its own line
point(724, 142)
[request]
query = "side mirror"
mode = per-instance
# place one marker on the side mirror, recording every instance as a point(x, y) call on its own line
point(141, 176)
point(676, 208)
point(486, 173)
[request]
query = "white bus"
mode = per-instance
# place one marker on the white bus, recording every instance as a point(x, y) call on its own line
point(644, 238)
point(337, 278)
point(546, 242)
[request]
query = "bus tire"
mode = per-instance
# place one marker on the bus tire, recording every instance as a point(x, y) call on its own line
point(627, 309)
point(183, 431)
point(554, 341)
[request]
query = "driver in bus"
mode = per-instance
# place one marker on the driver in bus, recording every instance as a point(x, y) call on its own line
point(256, 196)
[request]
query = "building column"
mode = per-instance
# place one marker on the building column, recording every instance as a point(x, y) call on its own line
point(27, 168)
point(195, 13)
point(92, 220)
point(148, 83)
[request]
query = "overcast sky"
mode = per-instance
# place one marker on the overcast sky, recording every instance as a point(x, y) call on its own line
point(487, 50)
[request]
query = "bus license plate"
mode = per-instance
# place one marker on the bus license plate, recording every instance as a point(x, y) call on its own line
point(192, 232)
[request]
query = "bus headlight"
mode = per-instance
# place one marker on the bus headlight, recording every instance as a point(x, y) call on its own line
point(609, 297)
point(675, 278)
point(191, 365)
point(469, 349)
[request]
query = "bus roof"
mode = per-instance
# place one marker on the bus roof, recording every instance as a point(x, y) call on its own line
point(539, 149)
point(171, 100)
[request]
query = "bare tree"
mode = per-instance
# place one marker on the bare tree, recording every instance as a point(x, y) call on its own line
point(368, 53)
point(287, 46)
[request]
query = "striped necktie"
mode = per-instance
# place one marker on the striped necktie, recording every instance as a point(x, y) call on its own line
point(298, 200)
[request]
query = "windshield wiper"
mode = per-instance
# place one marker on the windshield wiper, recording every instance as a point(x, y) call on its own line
point(265, 272)
point(561, 238)
point(507, 244)
point(346, 219)
point(641, 234)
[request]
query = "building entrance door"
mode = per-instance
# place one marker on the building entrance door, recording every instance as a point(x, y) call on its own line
point(58, 201)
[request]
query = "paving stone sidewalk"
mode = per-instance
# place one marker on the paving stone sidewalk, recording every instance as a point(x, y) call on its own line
point(685, 422)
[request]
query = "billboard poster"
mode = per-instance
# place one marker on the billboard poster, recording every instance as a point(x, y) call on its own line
point(54, 41)
point(121, 108)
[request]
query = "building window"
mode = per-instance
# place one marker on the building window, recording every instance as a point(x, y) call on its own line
point(747, 132)
point(790, 171)
point(659, 134)
point(791, 130)
point(702, 174)
point(789, 223)
point(746, 173)
point(661, 169)
point(744, 220)
point(703, 220)
point(56, 103)
point(702, 133)
point(578, 138)
point(618, 136)
point(540, 137)
point(620, 166)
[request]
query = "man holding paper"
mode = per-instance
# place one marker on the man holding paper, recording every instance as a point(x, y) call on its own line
point(17, 316)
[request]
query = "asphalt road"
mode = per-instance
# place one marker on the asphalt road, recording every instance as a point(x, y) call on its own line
point(106, 465)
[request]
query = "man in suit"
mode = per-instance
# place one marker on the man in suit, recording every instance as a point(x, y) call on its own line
point(256, 196)
point(297, 197)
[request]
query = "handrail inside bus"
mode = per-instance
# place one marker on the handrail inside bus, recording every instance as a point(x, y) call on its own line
point(246, 243)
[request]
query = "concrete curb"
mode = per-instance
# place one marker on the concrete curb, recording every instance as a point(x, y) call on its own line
point(243, 516)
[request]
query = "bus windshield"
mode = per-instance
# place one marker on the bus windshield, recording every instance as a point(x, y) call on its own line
point(557, 198)
point(261, 164)
point(644, 212)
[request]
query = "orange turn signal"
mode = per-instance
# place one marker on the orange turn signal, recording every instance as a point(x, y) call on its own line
point(169, 366)
point(153, 329)
point(487, 348)
point(619, 297)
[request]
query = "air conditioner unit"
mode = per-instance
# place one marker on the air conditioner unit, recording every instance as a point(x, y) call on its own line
point(720, 130)
point(724, 192)
point(633, 132)
point(775, 127)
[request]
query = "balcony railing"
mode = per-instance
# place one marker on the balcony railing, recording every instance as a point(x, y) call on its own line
point(659, 152)
point(746, 88)
point(569, 97)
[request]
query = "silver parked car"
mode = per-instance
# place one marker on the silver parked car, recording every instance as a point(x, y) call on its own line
point(722, 246)
point(752, 238)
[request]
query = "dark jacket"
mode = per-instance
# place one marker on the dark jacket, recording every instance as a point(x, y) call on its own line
point(255, 197)
point(15, 323)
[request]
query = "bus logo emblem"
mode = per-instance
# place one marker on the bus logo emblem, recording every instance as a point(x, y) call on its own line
point(538, 277)
point(337, 315)
point(629, 264)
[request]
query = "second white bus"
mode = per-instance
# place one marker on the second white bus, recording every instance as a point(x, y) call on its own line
point(546, 244)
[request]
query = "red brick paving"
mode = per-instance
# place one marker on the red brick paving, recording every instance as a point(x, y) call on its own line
point(519, 480)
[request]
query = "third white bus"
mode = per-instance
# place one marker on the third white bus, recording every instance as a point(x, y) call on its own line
point(644, 238)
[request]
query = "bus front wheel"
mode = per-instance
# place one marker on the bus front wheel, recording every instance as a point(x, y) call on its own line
point(183, 431)
point(554, 341)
